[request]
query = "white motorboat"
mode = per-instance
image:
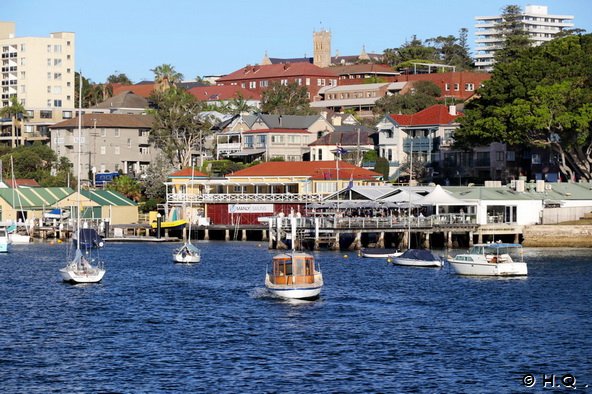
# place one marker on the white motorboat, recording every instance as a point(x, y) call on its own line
point(418, 258)
point(4, 240)
point(294, 275)
point(492, 259)
point(380, 253)
point(188, 253)
point(81, 269)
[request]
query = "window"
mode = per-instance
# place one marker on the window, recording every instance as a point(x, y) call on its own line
point(57, 48)
point(129, 142)
point(252, 85)
point(103, 132)
point(117, 133)
point(116, 150)
point(57, 62)
point(56, 90)
point(249, 141)
point(456, 87)
point(293, 139)
point(469, 87)
point(510, 156)
point(277, 139)
point(263, 84)
point(57, 103)
point(49, 49)
point(499, 155)
point(67, 115)
point(48, 62)
point(144, 150)
point(447, 87)
point(23, 47)
point(307, 81)
point(284, 82)
point(57, 76)
point(48, 75)
point(103, 150)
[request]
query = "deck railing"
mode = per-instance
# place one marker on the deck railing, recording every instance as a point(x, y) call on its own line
point(234, 198)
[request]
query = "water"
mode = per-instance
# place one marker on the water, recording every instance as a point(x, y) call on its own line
point(153, 326)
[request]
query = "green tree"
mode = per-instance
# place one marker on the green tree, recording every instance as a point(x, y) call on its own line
point(16, 112)
point(452, 50)
point(37, 162)
point(177, 129)
point(119, 78)
point(290, 99)
point(166, 74)
point(239, 105)
point(127, 186)
point(511, 30)
point(156, 174)
point(403, 103)
point(542, 98)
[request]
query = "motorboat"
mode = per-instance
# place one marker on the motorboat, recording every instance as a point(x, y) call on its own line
point(491, 259)
point(418, 258)
point(188, 253)
point(4, 240)
point(379, 253)
point(294, 275)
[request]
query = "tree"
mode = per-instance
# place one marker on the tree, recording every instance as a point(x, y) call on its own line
point(119, 78)
point(403, 103)
point(166, 74)
point(290, 99)
point(515, 38)
point(127, 186)
point(177, 129)
point(542, 98)
point(453, 51)
point(239, 105)
point(37, 162)
point(15, 111)
point(156, 174)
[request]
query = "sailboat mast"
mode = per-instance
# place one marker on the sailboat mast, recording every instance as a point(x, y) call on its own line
point(79, 159)
point(409, 193)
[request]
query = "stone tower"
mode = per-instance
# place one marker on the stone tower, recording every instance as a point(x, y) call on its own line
point(322, 48)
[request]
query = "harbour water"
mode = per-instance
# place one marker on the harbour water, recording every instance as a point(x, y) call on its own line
point(155, 326)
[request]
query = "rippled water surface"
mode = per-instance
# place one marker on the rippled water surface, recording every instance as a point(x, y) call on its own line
point(154, 326)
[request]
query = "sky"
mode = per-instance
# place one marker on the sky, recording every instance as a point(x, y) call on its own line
point(201, 38)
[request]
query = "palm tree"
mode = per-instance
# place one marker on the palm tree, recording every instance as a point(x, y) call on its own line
point(166, 74)
point(15, 111)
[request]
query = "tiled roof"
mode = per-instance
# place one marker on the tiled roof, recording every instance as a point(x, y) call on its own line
point(286, 121)
point(226, 92)
point(125, 99)
point(435, 115)
point(276, 71)
point(368, 68)
point(186, 173)
point(108, 121)
point(346, 138)
point(318, 170)
point(22, 183)
point(281, 131)
point(143, 89)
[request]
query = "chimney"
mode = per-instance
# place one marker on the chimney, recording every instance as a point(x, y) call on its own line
point(452, 110)
point(336, 121)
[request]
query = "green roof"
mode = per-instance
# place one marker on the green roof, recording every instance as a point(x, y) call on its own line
point(108, 197)
point(35, 197)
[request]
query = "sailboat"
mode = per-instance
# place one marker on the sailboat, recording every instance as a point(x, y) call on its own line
point(81, 269)
point(294, 275)
point(188, 253)
point(415, 257)
point(13, 235)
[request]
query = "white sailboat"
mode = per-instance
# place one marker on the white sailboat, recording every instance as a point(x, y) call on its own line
point(188, 253)
point(81, 269)
point(415, 257)
point(13, 235)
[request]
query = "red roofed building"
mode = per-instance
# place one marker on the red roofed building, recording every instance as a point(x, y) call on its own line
point(257, 78)
point(263, 190)
point(461, 85)
point(424, 133)
point(224, 94)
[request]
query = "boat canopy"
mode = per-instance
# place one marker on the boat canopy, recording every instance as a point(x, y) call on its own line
point(419, 254)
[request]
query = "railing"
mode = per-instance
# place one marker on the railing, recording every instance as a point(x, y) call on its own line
point(243, 198)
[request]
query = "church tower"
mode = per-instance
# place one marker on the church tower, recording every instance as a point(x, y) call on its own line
point(321, 48)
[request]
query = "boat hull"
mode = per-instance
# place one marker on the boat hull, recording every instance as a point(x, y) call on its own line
point(295, 292)
point(489, 269)
point(75, 276)
point(19, 239)
point(417, 262)
point(180, 258)
point(3, 246)
point(379, 253)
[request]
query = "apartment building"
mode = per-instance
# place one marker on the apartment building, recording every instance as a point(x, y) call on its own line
point(40, 72)
point(536, 22)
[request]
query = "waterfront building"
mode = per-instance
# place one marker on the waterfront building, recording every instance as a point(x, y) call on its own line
point(110, 143)
point(537, 23)
point(347, 142)
point(39, 72)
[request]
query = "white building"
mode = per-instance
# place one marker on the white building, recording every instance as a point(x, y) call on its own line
point(536, 22)
point(40, 72)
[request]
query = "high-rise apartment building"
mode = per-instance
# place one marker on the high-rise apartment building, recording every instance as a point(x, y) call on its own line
point(40, 72)
point(536, 22)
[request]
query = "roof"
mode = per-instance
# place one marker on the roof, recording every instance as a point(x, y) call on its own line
point(125, 99)
point(222, 92)
point(125, 121)
point(38, 197)
point(346, 138)
point(107, 198)
point(439, 196)
point(22, 183)
point(281, 131)
point(286, 121)
point(318, 170)
point(186, 173)
point(435, 115)
point(143, 89)
point(282, 70)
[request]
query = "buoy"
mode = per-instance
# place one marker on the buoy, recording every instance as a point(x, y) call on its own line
point(389, 260)
point(59, 241)
point(345, 256)
point(258, 245)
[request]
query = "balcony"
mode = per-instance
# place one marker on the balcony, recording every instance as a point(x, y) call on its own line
point(420, 144)
point(243, 198)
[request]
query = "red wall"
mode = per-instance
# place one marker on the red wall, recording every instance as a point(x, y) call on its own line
point(218, 214)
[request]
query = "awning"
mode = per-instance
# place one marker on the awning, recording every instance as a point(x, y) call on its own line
point(247, 152)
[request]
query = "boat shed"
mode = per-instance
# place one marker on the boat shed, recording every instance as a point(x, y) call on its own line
point(21, 204)
point(110, 205)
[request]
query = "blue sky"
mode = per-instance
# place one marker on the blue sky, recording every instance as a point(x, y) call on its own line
point(219, 37)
